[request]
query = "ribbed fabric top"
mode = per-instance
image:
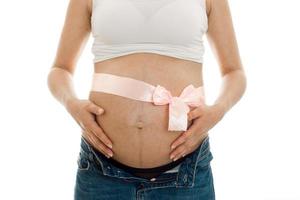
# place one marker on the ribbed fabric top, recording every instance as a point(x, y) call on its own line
point(168, 27)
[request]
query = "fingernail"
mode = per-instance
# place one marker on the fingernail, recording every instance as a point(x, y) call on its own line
point(172, 156)
point(110, 154)
point(109, 145)
point(175, 159)
point(172, 147)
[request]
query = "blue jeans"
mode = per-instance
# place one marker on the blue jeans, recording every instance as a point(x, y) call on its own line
point(97, 179)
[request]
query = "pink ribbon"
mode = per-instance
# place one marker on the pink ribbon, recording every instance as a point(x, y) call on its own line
point(178, 106)
point(142, 91)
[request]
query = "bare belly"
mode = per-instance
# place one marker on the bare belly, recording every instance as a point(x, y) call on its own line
point(137, 129)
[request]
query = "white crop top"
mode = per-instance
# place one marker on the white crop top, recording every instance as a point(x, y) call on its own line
point(168, 27)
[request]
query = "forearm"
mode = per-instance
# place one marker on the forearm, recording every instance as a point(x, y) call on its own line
point(232, 89)
point(60, 84)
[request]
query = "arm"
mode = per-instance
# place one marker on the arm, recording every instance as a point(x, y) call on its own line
point(74, 36)
point(222, 40)
point(73, 39)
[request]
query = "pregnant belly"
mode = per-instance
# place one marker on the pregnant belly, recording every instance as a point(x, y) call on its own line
point(137, 129)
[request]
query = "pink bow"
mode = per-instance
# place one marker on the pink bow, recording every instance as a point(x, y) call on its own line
point(178, 106)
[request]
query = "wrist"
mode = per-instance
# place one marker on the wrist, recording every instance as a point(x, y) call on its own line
point(68, 103)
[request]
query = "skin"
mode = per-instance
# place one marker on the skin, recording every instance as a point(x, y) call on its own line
point(137, 130)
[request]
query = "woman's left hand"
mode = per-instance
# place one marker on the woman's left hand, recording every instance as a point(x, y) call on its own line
point(204, 118)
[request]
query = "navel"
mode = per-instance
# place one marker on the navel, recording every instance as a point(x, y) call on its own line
point(139, 124)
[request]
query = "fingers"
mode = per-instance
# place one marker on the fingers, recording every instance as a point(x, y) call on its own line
point(180, 151)
point(93, 126)
point(84, 112)
point(97, 143)
point(93, 108)
point(187, 147)
point(97, 130)
point(184, 136)
point(197, 112)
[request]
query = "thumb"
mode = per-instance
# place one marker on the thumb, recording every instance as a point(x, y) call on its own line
point(95, 109)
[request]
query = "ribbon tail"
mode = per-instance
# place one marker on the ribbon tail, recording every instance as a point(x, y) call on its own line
point(177, 124)
point(178, 120)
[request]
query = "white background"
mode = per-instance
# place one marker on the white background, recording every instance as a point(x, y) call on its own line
point(256, 145)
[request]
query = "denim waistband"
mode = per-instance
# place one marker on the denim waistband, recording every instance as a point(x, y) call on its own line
point(161, 168)
point(184, 177)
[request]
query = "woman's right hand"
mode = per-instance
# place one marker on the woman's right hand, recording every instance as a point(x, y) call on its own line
point(84, 111)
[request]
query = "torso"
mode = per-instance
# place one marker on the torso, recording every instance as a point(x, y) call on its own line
point(137, 129)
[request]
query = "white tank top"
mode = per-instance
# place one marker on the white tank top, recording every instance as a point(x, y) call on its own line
point(168, 27)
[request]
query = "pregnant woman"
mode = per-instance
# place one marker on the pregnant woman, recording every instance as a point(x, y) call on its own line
point(145, 124)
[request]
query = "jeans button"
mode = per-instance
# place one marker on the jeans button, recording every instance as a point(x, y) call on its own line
point(152, 179)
